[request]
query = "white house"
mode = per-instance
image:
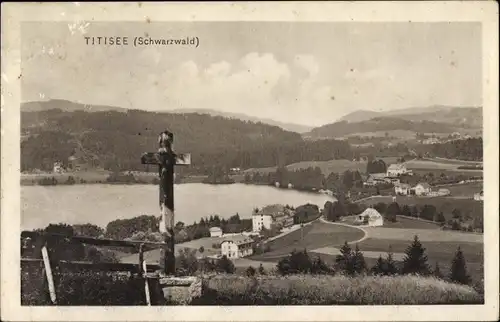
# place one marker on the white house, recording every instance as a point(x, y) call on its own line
point(396, 169)
point(370, 217)
point(479, 196)
point(215, 232)
point(58, 167)
point(272, 214)
point(237, 246)
point(402, 189)
point(422, 189)
point(444, 192)
point(375, 179)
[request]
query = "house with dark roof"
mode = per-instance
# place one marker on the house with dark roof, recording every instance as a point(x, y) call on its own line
point(236, 246)
point(422, 189)
point(276, 214)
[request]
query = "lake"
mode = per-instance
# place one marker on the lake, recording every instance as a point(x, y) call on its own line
point(100, 203)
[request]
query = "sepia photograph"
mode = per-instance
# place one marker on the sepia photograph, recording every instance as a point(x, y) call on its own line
point(251, 162)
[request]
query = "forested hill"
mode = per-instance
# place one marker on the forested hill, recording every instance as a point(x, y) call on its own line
point(115, 140)
point(344, 128)
point(463, 116)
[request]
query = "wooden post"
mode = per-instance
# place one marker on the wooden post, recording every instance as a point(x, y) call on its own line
point(166, 159)
point(48, 272)
point(143, 270)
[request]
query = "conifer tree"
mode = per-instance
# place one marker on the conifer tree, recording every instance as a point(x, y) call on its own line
point(458, 273)
point(359, 263)
point(379, 267)
point(415, 261)
point(390, 267)
point(437, 271)
point(344, 260)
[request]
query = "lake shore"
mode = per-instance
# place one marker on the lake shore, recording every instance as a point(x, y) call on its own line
point(101, 203)
point(139, 178)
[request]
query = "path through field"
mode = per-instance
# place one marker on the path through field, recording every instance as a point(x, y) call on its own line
point(316, 235)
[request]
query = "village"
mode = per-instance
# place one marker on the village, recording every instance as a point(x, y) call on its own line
point(273, 222)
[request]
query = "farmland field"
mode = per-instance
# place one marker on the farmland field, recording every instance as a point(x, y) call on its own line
point(430, 235)
point(437, 252)
point(465, 190)
point(441, 166)
point(438, 165)
point(445, 204)
point(327, 167)
point(401, 223)
point(315, 235)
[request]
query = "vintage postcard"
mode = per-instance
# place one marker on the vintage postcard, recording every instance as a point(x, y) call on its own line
point(308, 161)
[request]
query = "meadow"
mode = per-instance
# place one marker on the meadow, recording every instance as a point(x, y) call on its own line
point(327, 167)
point(313, 236)
point(469, 207)
point(333, 290)
point(465, 190)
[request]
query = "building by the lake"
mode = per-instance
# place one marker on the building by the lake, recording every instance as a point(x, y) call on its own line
point(277, 215)
point(237, 246)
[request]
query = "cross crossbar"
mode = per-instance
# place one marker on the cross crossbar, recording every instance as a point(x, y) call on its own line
point(156, 158)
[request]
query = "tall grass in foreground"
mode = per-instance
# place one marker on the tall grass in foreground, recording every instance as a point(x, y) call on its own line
point(334, 290)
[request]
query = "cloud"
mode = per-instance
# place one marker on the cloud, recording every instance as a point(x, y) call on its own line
point(257, 84)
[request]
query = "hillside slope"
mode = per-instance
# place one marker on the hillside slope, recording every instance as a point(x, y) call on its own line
point(470, 117)
point(382, 124)
point(299, 128)
point(116, 140)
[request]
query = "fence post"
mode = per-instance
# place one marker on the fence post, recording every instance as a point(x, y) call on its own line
point(48, 272)
point(143, 270)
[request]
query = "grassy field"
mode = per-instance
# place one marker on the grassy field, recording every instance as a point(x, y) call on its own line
point(438, 166)
point(465, 190)
point(453, 161)
point(331, 290)
point(327, 167)
point(436, 251)
point(88, 176)
point(401, 223)
point(431, 235)
point(315, 235)
point(445, 204)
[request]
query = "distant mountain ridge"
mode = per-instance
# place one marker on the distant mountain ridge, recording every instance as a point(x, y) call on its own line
point(467, 116)
point(66, 106)
point(386, 124)
point(69, 106)
point(299, 128)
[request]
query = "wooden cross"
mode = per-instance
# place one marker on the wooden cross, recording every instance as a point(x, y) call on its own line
point(166, 159)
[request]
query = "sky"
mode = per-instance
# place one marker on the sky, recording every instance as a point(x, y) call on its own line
point(307, 73)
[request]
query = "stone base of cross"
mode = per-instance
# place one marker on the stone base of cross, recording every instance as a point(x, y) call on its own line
point(166, 160)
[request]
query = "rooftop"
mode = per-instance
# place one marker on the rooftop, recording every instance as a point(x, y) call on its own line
point(396, 166)
point(370, 212)
point(377, 175)
point(271, 210)
point(238, 239)
point(424, 185)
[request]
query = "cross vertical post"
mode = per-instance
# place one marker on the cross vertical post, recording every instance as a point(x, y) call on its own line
point(166, 159)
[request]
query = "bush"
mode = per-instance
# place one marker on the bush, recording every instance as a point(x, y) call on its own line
point(85, 288)
point(333, 290)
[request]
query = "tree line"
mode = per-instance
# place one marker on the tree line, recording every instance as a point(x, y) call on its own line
point(351, 262)
point(448, 217)
point(469, 149)
point(115, 141)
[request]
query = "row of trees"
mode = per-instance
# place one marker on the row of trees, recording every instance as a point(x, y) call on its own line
point(456, 219)
point(310, 178)
point(470, 149)
point(352, 262)
point(115, 140)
